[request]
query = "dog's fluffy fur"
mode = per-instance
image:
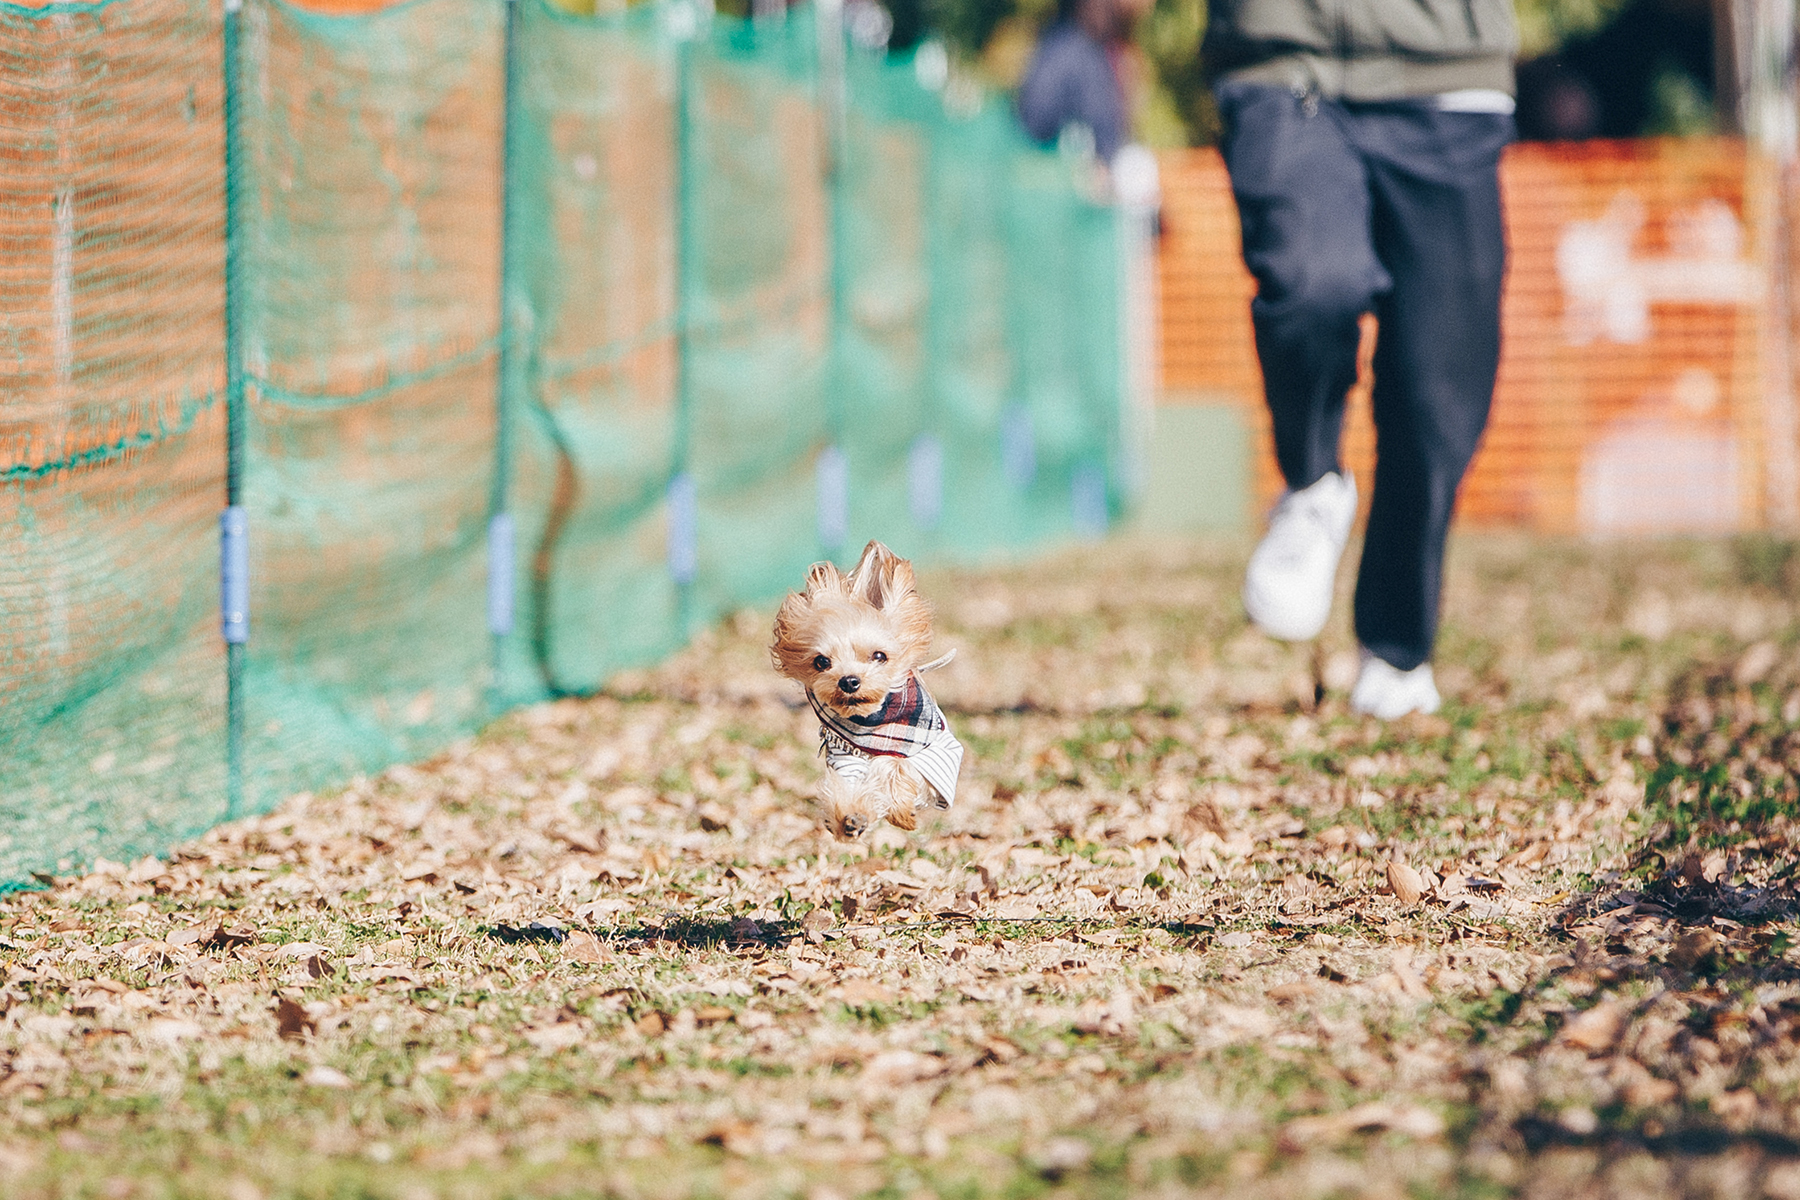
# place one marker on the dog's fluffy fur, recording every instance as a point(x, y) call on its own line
point(851, 640)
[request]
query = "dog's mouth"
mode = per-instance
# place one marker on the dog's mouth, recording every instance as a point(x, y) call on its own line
point(857, 703)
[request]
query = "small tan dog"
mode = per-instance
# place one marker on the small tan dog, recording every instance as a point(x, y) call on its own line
point(857, 643)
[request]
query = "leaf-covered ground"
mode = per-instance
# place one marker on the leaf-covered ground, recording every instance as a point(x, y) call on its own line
point(1191, 928)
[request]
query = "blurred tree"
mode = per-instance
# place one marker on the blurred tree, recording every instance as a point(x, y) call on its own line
point(1179, 109)
point(1546, 25)
point(1647, 69)
point(970, 25)
point(1639, 64)
point(912, 23)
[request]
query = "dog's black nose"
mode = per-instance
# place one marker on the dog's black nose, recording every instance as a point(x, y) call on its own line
point(849, 683)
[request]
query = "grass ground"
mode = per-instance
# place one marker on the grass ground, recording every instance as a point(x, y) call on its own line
point(1191, 929)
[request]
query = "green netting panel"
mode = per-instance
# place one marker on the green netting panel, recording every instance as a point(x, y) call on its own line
point(980, 328)
point(594, 298)
point(1064, 337)
point(885, 420)
point(670, 404)
point(707, 315)
point(969, 356)
point(111, 430)
point(371, 209)
point(755, 265)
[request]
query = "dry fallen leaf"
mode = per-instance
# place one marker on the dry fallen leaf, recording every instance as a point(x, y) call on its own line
point(864, 991)
point(1374, 1117)
point(1755, 663)
point(1649, 1092)
point(300, 950)
point(893, 1067)
point(172, 1029)
point(738, 1137)
point(1405, 882)
point(323, 1076)
point(1204, 814)
point(1693, 947)
point(1596, 1030)
point(998, 1049)
point(1287, 993)
point(548, 1039)
point(1736, 1108)
point(584, 841)
point(581, 946)
point(292, 1020)
point(1059, 1156)
point(1401, 964)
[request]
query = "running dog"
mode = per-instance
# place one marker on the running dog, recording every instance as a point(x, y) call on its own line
point(857, 644)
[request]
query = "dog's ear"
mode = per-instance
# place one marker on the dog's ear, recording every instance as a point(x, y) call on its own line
point(823, 577)
point(880, 577)
point(866, 566)
point(789, 650)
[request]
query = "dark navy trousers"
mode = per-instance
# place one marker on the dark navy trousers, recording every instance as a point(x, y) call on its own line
point(1390, 208)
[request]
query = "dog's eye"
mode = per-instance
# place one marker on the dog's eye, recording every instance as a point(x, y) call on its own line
point(821, 663)
point(878, 656)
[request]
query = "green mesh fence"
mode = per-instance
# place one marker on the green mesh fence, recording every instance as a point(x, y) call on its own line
point(593, 400)
point(765, 295)
point(112, 423)
point(369, 203)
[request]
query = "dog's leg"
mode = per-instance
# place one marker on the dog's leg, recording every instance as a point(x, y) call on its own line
point(892, 789)
point(902, 790)
point(852, 807)
point(902, 816)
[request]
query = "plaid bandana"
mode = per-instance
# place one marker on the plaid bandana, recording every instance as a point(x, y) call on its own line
point(908, 725)
point(901, 727)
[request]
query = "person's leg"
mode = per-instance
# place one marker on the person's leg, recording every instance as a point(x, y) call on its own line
point(1303, 202)
point(1438, 230)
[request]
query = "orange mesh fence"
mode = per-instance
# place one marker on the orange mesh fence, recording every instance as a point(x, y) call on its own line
point(1641, 388)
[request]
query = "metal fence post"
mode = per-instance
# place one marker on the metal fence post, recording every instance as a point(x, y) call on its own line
point(501, 551)
point(833, 99)
point(234, 583)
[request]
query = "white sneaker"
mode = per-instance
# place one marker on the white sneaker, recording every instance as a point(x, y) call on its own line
point(1384, 690)
point(1288, 586)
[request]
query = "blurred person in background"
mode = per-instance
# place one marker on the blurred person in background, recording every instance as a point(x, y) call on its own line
point(1363, 141)
point(1085, 75)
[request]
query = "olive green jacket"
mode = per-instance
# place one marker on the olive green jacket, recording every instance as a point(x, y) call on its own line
point(1363, 49)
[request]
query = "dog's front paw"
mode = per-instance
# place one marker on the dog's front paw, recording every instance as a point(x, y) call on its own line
point(854, 823)
point(850, 811)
